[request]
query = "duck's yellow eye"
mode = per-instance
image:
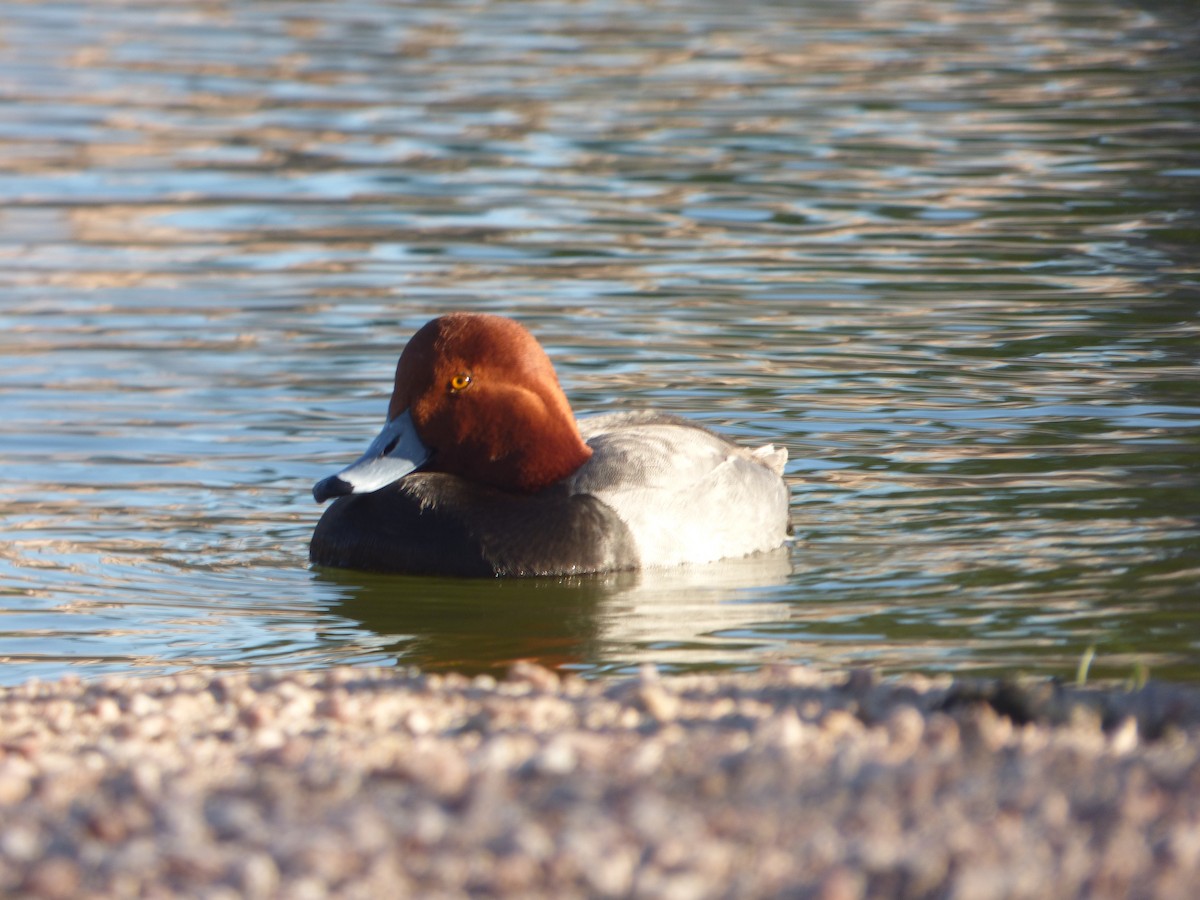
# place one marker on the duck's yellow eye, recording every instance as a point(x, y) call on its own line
point(460, 382)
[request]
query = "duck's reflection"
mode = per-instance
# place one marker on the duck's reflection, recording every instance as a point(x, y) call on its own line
point(595, 621)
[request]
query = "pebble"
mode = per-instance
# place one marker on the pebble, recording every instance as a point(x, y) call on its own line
point(784, 782)
point(54, 878)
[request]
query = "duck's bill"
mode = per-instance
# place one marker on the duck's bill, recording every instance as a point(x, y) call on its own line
point(394, 453)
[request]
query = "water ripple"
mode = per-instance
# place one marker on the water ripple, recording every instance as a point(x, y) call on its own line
point(945, 252)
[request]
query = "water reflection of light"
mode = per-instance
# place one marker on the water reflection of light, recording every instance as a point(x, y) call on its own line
point(937, 249)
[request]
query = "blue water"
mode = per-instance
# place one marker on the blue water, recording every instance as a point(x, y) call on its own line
point(946, 252)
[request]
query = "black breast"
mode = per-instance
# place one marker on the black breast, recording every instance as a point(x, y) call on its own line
point(437, 524)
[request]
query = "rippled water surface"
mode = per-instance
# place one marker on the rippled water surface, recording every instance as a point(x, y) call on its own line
point(946, 251)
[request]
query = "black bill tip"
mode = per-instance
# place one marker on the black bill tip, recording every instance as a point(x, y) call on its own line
point(328, 488)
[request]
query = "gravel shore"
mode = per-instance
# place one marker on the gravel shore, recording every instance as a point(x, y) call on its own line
point(786, 782)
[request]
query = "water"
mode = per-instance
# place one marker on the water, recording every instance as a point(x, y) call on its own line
point(945, 252)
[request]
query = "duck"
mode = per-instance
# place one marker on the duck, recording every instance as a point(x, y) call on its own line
point(482, 470)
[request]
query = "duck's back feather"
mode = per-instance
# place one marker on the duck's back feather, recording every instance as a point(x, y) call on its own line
point(686, 494)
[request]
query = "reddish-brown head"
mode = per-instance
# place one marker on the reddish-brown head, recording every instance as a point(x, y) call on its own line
point(486, 402)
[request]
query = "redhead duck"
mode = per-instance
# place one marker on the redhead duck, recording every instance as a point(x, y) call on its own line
point(483, 470)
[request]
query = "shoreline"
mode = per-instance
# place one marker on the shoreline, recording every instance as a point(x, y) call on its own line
point(388, 782)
